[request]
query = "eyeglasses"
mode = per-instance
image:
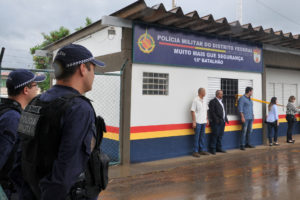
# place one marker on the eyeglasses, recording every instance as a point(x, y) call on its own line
point(32, 85)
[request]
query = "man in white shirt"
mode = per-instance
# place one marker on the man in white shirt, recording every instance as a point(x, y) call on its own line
point(199, 115)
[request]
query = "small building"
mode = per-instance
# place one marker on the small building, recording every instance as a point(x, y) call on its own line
point(170, 55)
point(4, 76)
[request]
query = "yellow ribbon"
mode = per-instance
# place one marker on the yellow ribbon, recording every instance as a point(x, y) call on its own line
point(257, 100)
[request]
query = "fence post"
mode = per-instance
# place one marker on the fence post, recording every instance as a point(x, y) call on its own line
point(121, 138)
point(1, 57)
point(264, 112)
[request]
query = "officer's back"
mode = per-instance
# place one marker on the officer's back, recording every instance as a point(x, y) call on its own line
point(66, 154)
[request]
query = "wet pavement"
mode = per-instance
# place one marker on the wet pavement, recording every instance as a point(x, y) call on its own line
point(261, 173)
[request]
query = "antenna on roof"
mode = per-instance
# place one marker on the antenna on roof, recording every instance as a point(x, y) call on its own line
point(239, 11)
point(173, 3)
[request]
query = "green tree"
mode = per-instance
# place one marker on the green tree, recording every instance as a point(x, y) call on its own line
point(88, 21)
point(44, 62)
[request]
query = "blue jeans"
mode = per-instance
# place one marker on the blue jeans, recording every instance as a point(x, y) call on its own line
point(199, 139)
point(216, 136)
point(246, 131)
point(272, 126)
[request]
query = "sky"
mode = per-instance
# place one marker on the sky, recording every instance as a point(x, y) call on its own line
point(23, 21)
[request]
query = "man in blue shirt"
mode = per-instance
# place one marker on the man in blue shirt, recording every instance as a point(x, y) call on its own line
point(74, 67)
point(245, 107)
point(21, 87)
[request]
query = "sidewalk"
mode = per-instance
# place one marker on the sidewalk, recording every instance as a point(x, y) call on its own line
point(121, 171)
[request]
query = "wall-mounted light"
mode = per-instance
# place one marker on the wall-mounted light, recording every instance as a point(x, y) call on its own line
point(42, 53)
point(111, 33)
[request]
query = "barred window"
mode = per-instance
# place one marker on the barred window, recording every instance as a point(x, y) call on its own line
point(155, 83)
point(230, 89)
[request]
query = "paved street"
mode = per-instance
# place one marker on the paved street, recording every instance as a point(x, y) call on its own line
point(261, 173)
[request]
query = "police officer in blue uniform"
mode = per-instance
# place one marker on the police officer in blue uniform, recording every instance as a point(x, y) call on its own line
point(66, 158)
point(22, 88)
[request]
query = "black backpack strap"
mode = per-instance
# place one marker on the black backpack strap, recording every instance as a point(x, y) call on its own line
point(100, 128)
point(8, 104)
point(71, 96)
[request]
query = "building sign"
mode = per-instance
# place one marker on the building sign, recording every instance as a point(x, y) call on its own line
point(163, 46)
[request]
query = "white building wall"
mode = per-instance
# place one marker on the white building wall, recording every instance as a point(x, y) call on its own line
point(99, 43)
point(183, 86)
point(282, 84)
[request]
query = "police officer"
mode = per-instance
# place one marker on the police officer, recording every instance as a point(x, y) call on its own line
point(21, 87)
point(65, 158)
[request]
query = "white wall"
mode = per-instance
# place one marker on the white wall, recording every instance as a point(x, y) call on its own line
point(183, 86)
point(282, 84)
point(100, 44)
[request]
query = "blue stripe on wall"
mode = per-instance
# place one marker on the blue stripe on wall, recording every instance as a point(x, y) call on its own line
point(111, 148)
point(283, 129)
point(170, 147)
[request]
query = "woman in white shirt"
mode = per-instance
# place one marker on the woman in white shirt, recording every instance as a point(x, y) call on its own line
point(273, 122)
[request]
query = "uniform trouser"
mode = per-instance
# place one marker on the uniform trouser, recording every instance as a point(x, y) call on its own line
point(199, 138)
point(291, 123)
point(246, 131)
point(271, 127)
point(216, 136)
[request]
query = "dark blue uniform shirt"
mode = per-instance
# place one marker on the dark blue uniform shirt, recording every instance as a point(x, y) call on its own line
point(8, 134)
point(8, 139)
point(77, 130)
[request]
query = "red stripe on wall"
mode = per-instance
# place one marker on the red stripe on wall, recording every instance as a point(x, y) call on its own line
point(112, 129)
point(139, 129)
point(238, 122)
point(283, 116)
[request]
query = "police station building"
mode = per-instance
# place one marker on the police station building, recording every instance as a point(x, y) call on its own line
point(169, 56)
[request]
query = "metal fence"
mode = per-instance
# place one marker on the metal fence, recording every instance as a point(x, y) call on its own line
point(105, 96)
